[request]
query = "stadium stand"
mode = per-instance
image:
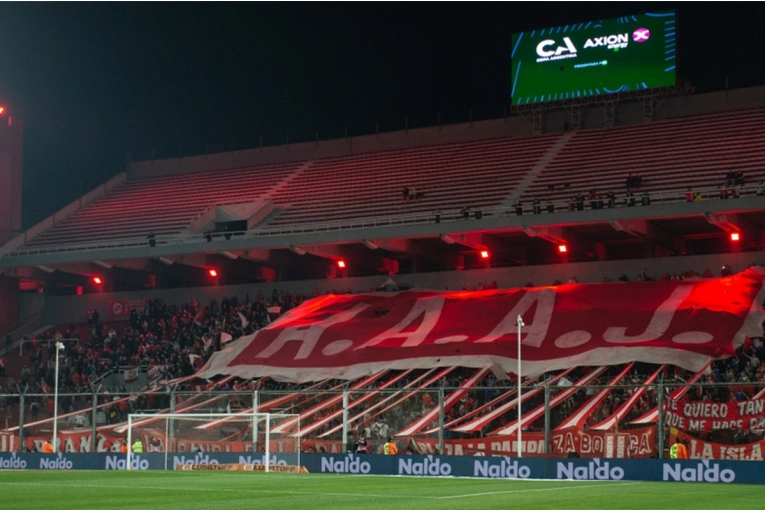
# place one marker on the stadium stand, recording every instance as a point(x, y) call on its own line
point(489, 174)
point(165, 206)
point(665, 154)
point(481, 175)
point(475, 174)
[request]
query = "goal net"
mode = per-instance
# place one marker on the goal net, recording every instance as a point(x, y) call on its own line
point(250, 439)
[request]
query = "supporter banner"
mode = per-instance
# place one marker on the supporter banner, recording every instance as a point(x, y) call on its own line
point(708, 416)
point(121, 307)
point(685, 323)
point(80, 441)
point(130, 375)
point(155, 372)
point(636, 443)
point(700, 449)
point(8, 442)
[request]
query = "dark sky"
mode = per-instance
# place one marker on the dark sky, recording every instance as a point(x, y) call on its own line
point(94, 81)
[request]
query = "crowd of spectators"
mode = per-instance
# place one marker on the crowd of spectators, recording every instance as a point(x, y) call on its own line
point(177, 340)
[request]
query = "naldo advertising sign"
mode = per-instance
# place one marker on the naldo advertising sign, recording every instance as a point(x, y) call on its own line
point(671, 471)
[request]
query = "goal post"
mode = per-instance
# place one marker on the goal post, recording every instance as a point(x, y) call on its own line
point(248, 438)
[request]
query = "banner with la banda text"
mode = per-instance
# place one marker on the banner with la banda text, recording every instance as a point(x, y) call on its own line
point(636, 443)
point(685, 323)
point(705, 416)
point(701, 449)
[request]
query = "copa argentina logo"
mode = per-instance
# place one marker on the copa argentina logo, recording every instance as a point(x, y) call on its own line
point(508, 468)
point(57, 462)
point(611, 41)
point(120, 462)
point(12, 462)
point(592, 471)
point(704, 471)
point(349, 464)
point(199, 458)
point(547, 53)
point(428, 466)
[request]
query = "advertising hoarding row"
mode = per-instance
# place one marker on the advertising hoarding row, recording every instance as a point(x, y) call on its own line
point(424, 465)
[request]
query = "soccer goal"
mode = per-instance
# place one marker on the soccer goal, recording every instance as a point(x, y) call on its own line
point(249, 439)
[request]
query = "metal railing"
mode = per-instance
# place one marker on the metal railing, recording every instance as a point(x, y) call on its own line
point(338, 416)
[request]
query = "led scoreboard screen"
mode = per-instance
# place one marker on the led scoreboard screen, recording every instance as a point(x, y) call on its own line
point(596, 57)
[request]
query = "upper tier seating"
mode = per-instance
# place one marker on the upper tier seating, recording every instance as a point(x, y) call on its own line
point(473, 174)
point(162, 205)
point(672, 155)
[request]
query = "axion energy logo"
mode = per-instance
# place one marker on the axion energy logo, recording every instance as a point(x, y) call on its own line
point(594, 58)
point(641, 35)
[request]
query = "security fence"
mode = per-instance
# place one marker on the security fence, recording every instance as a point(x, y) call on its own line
point(558, 418)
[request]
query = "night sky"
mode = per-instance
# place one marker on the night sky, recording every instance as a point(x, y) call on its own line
point(94, 81)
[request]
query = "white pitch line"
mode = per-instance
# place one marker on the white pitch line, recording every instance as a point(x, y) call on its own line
point(309, 493)
point(493, 493)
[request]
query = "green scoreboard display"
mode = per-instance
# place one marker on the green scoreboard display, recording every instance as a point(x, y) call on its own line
point(593, 58)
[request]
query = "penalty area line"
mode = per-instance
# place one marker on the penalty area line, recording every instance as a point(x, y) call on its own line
point(495, 493)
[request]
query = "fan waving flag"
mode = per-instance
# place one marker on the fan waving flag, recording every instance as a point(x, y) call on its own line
point(685, 323)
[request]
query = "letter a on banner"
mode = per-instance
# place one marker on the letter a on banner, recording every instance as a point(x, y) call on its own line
point(310, 335)
point(430, 306)
point(535, 331)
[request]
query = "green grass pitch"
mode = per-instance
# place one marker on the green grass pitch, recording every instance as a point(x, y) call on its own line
point(146, 490)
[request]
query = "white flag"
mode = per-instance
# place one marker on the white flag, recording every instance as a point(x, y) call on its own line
point(244, 320)
point(225, 337)
point(193, 358)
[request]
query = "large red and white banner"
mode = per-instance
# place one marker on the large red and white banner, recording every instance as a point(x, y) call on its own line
point(708, 416)
point(700, 449)
point(636, 443)
point(684, 323)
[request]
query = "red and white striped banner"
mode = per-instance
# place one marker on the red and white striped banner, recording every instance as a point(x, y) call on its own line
point(684, 323)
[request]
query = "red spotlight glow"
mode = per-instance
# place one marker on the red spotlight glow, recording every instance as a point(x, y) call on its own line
point(734, 236)
point(484, 254)
point(97, 280)
point(341, 264)
point(213, 273)
point(562, 248)
point(2, 110)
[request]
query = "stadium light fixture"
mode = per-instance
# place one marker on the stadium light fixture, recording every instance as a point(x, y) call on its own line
point(562, 248)
point(213, 273)
point(341, 264)
point(735, 237)
point(97, 280)
point(484, 254)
